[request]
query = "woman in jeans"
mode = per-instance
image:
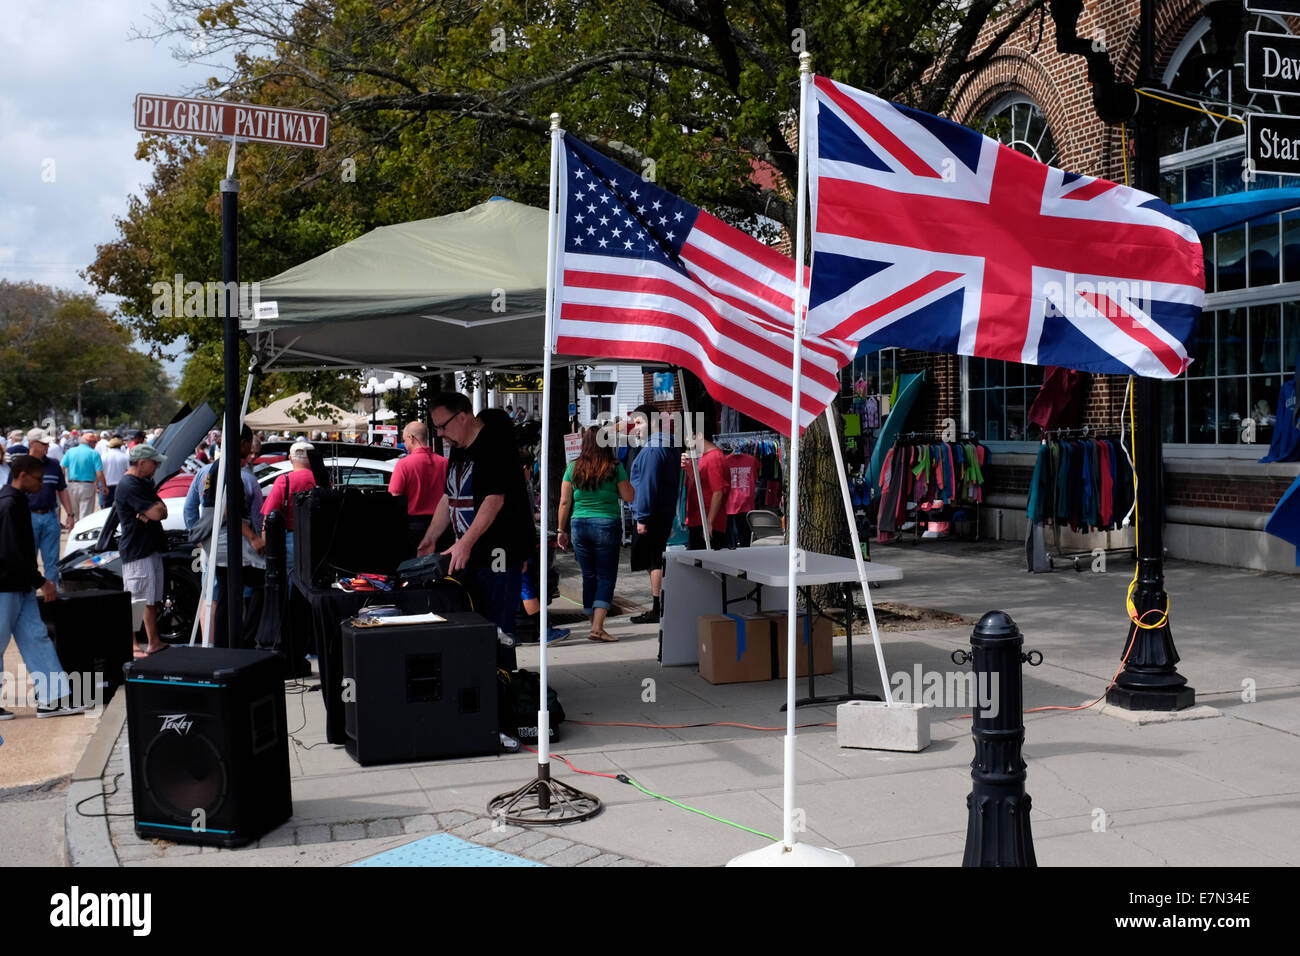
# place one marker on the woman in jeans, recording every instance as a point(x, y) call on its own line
point(592, 488)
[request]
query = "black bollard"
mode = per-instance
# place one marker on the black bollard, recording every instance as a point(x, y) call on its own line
point(997, 829)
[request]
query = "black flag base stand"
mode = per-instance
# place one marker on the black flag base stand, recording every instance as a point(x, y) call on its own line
point(1150, 678)
point(544, 802)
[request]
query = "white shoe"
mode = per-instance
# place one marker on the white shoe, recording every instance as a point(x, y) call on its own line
point(59, 709)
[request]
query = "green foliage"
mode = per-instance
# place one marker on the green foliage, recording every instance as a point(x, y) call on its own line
point(51, 342)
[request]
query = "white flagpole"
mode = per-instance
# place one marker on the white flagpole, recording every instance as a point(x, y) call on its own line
point(209, 573)
point(794, 553)
point(695, 463)
point(788, 853)
point(543, 572)
point(857, 554)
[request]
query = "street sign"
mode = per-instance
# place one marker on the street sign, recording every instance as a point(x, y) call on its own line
point(1272, 63)
point(572, 446)
point(1273, 144)
point(573, 409)
point(1291, 7)
point(179, 115)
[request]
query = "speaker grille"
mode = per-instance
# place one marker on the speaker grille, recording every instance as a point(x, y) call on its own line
point(185, 773)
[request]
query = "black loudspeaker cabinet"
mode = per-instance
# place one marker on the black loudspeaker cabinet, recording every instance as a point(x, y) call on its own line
point(347, 529)
point(420, 691)
point(209, 746)
point(92, 634)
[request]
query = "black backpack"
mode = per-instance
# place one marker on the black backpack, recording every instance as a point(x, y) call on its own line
point(521, 694)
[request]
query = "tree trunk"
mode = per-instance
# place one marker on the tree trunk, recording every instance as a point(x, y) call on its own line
point(823, 526)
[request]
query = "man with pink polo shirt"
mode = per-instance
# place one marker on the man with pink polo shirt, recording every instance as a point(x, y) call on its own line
point(422, 476)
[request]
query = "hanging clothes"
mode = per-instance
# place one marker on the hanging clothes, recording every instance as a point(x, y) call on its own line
point(1085, 484)
point(931, 476)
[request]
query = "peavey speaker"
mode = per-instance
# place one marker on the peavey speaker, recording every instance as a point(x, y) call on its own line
point(91, 630)
point(347, 530)
point(209, 748)
point(420, 691)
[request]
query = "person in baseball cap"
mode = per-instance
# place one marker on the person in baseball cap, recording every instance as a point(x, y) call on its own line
point(141, 540)
point(44, 504)
point(147, 453)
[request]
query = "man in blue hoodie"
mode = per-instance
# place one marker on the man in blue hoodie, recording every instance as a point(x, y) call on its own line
point(655, 477)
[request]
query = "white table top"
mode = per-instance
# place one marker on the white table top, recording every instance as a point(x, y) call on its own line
point(769, 565)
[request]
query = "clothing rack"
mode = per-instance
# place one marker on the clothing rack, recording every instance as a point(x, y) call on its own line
point(937, 436)
point(913, 510)
point(1074, 557)
point(734, 437)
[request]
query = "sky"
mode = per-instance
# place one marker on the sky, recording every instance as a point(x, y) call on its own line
point(69, 73)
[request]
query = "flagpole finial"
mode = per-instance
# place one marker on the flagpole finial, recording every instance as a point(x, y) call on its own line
point(555, 122)
point(805, 62)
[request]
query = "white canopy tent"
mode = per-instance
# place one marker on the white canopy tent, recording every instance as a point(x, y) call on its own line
point(278, 416)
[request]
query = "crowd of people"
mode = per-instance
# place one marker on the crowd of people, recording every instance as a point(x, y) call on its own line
point(476, 505)
point(78, 473)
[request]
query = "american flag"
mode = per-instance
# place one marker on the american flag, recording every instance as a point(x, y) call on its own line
point(927, 235)
point(647, 276)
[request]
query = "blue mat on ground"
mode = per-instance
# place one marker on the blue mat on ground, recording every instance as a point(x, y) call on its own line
point(443, 849)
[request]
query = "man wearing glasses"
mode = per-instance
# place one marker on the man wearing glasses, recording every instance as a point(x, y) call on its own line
point(487, 508)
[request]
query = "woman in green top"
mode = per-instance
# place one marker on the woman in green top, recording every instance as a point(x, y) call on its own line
point(590, 512)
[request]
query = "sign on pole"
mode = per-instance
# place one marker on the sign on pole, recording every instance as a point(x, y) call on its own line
point(1287, 7)
point(1273, 144)
point(1272, 63)
point(244, 122)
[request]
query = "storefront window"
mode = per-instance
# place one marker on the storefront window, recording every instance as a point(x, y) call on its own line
point(999, 396)
point(1241, 350)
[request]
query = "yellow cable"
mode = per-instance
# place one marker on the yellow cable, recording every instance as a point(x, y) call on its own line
point(1137, 514)
point(1194, 109)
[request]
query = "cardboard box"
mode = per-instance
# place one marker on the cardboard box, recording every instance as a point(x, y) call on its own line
point(823, 659)
point(723, 660)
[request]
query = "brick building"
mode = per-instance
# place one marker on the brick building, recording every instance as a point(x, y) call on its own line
point(1248, 338)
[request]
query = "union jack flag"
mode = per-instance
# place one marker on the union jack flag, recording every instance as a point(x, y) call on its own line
point(460, 495)
point(929, 236)
point(645, 275)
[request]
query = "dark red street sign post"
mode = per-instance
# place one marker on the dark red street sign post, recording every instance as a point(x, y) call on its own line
point(236, 122)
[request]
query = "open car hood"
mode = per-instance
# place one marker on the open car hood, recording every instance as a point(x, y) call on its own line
point(181, 436)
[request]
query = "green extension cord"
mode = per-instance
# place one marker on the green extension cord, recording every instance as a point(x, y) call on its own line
point(658, 796)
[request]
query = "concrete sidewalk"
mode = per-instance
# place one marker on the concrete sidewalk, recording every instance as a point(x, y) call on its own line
point(1106, 791)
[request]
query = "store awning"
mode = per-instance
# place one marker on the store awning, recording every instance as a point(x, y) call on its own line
point(1224, 212)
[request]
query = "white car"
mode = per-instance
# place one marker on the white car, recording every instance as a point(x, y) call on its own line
point(343, 470)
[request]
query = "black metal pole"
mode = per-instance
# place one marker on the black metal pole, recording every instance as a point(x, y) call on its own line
point(997, 827)
point(1150, 678)
point(234, 596)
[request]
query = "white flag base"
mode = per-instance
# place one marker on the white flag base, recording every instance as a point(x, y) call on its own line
point(801, 854)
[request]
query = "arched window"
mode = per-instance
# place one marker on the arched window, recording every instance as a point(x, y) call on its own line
point(1016, 121)
point(1248, 337)
point(999, 393)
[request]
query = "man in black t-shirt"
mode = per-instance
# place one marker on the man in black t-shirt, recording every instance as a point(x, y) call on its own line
point(487, 507)
point(142, 541)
